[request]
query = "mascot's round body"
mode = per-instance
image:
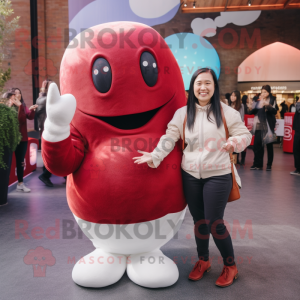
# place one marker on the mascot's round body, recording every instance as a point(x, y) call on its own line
point(127, 86)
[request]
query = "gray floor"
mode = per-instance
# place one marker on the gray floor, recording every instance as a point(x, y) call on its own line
point(267, 253)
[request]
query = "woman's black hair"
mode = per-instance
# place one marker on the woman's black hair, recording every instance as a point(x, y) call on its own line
point(45, 86)
point(268, 89)
point(227, 96)
point(22, 100)
point(215, 107)
point(237, 104)
point(244, 99)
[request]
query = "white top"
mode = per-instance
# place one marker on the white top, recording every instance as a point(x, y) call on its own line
point(204, 157)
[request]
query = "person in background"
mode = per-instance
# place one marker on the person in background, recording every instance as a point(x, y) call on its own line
point(9, 139)
point(41, 117)
point(277, 116)
point(236, 103)
point(292, 108)
point(256, 97)
point(223, 99)
point(284, 109)
point(227, 96)
point(23, 113)
point(264, 119)
point(245, 102)
point(296, 146)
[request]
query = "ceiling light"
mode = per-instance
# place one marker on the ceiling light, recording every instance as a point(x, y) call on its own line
point(249, 3)
point(185, 5)
point(194, 4)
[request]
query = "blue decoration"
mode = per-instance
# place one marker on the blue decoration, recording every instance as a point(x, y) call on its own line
point(193, 52)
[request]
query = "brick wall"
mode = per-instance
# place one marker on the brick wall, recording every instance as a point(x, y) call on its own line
point(19, 54)
point(52, 15)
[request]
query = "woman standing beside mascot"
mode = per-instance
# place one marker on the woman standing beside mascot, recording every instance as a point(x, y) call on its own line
point(206, 168)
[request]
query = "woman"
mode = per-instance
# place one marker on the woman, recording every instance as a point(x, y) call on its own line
point(263, 125)
point(9, 138)
point(235, 103)
point(296, 145)
point(23, 114)
point(246, 103)
point(206, 183)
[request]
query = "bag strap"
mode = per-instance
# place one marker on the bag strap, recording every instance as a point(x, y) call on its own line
point(224, 122)
point(227, 137)
point(183, 133)
point(226, 129)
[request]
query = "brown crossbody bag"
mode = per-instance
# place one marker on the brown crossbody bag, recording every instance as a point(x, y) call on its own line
point(235, 191)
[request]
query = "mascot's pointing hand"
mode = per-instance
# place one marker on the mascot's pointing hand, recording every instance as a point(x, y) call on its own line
point(60, 111)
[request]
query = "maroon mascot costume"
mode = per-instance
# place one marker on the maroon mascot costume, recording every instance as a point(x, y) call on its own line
point(120, 87)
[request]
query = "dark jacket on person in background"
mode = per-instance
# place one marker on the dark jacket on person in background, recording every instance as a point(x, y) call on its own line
point(296, 123)
point(41, 112)
point(268, 115)
point(284, 109)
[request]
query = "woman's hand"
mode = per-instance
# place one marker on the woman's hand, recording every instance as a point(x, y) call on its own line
point(33, 107)
point(228, 148)
point(16, 102)
point(9, 103)
point(145, 158)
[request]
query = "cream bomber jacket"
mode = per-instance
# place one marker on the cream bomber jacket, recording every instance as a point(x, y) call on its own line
point(204, 157)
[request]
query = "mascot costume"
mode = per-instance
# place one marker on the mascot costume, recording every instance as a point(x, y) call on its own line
point(120, 86)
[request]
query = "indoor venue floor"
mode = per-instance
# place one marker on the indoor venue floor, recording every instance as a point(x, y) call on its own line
point(264, 225)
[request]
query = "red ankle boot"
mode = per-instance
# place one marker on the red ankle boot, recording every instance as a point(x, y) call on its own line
point(200, 267)
point(227, 276)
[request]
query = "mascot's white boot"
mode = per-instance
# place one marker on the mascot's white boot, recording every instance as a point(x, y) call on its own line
point(99, 269)
point(131, 247)
point(152, 269)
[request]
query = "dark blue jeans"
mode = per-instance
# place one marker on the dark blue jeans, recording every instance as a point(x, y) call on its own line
point(207, 199)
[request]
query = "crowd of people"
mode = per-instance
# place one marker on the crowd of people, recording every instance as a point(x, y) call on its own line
point(264, 108)
point(14, 100)
point(19, 114)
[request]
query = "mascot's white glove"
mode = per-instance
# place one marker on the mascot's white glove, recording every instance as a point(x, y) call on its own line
point(60, 111)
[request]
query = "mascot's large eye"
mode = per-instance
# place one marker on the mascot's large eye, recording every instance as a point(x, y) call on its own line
point(149, 68)
point(101, 73)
